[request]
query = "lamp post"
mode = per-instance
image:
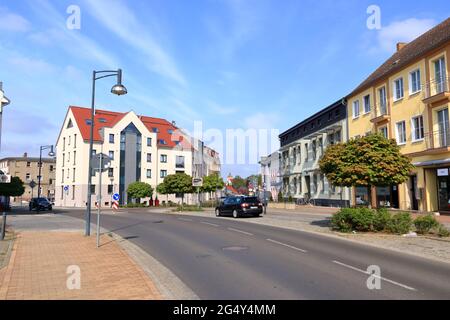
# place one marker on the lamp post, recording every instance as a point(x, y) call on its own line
point(51, 153)
point(119, 90)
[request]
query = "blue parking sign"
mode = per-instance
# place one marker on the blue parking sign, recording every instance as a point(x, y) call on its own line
point(116, 197)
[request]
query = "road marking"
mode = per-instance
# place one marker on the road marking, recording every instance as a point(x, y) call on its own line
point(209, 223)
point(287, 245)
point(373, 275)
point(240, 231)
point(184, 219)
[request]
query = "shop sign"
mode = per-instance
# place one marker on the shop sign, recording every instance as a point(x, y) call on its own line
point(442, 172)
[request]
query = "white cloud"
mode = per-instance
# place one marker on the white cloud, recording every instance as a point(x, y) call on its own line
point(130, 30)
point(13, 22)
point(31, 65)
point(220, 109)
point(402, 31)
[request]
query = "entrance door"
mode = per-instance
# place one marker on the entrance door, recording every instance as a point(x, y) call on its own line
point(394, 197)
point(443, 187)
point(440, 75)
point(415, 203)
point(308, 186)
point(443, 127)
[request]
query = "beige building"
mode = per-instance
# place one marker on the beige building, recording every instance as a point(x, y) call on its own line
point(27, 169)
point(142, 148)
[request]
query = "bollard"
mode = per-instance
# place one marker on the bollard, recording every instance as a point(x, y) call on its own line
point(3, 226)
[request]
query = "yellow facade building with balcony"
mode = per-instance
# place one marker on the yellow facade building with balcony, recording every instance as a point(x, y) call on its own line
point(407, 99)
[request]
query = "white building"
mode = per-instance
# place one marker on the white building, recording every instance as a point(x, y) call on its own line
point(141, 148)
point(270, 172)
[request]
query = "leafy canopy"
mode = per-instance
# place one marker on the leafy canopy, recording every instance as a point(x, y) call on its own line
point(13, 189)
point(212, 183)
point(371, 160)
point(178, 183)
point(137, 190)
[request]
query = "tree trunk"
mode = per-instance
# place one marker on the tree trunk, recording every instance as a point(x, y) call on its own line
point(369, 196)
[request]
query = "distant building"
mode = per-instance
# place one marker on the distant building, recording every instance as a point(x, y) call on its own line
point(27, 169)
point(302, 146)
point(270, 172)
point(142, 148)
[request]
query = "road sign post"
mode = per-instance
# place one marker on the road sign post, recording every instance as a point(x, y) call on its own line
point(115, 198)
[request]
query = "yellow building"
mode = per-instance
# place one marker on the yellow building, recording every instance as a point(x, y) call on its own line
point(407, 99)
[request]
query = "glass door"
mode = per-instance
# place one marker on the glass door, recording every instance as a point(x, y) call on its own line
point(443, 127)
point(440, 75)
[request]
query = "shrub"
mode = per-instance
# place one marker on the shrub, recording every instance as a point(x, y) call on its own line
point(382, 218)
point(399, 223)
point(363, 219)
point(280, 197)
point(343, 220)
point(290, 200)
point(442, 231)
point(424, 224)
point(187, 208)
point(135, 205)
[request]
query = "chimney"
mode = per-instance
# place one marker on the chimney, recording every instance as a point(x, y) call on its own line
point(174, 123)
point(400, 45)
point(25, 155)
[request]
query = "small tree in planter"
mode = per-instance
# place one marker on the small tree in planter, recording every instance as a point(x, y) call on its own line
point(138, 190)
point(180, 183)
point(368, 161)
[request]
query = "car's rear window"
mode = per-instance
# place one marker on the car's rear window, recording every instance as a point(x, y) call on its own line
point(251, 200)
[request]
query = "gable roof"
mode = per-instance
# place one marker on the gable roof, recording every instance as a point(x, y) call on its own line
point(427, 42)
point(108, 119)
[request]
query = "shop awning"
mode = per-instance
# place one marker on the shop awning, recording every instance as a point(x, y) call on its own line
point(431, 163)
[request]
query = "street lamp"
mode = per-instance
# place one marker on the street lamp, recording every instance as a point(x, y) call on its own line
point(51, 153)
point(118, 89)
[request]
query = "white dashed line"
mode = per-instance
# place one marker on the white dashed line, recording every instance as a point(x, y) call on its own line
point(184, 219)
point(287, 245)
point(209, 223)
point(240, 231)
point(368, 273)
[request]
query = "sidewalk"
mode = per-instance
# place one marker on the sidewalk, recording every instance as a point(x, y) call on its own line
point(40, 260)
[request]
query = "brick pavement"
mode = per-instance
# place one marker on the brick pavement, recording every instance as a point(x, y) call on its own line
point(39, 261)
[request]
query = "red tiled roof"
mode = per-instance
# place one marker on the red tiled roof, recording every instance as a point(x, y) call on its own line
point(103, 118)
point(231, 189)
point(427, 42)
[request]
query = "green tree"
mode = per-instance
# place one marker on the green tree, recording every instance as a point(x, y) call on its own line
point(180, 183)
point(138, 190)
point(212, 183)
point(368, 161)
point(13, 189)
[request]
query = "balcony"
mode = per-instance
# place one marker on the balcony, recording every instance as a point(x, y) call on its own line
point(438, 141)
point(380, 113)
point(436, 90)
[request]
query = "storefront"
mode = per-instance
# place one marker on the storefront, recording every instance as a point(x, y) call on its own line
point(386, 197)
point(443, 181)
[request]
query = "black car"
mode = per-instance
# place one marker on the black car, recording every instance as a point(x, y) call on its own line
point(239, 206)
point(40, 204)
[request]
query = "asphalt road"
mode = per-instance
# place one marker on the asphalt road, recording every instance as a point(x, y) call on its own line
point(223, 258)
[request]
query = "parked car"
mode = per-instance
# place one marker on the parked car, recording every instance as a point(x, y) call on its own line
point(239, 206)
point(40, 204)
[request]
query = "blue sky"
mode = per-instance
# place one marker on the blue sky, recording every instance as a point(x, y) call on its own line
point(231, 64)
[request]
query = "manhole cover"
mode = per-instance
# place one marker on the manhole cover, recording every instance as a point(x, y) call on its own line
point(235, 248)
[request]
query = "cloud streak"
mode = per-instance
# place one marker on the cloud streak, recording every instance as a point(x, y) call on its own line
point(13, 22)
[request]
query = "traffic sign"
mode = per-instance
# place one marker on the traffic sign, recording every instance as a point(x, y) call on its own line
point(66, 188)
point(197, 182)
point(116, 197)
point(32, 184)
point(4, 178)
point(102, 158)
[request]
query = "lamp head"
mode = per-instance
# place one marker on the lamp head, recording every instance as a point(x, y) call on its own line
point(119, 89)
point(51, 153)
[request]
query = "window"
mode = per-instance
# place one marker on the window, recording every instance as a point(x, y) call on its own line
point(337, 136)
point(149, 142)
point(68, 157)
point(414, 81)
point(62, 192)
point(110, 188)
point(27, 176)
point(73, 192)
point(110, 172)
point(155, 130)
point(64, 144)
point(64, 159)
point(73, 178)
point(28, 164)
point(382, 97)
point(70, 138)
point(306, 152)
point(169, 131)
point(111, 138)
point(51, 168)
point(68, 173)
point(314, 149)
point(163, 173)
point(401, 132)
point(149, 157)
point(384, 132)
point(111, 155)
point(164, 158)
point(74, 158)
point(417, 128)
point(366, 103)
point(179, 162)
point(50, 181)
point(162, 141)
point(149, 173)
point(62, 176)
point(355, 109)
point(92, 188)
point(94, 152)
point(74, 140)
point(398, 89)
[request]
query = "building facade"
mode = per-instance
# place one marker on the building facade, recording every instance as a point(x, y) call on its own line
point(270, 173)
point(27, 169)
point(407, 99)
point(141, 148)
point(301, 149)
